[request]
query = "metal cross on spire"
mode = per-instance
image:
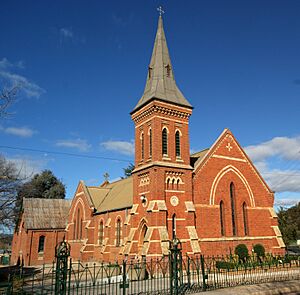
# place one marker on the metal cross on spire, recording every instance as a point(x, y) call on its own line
point(160, 11)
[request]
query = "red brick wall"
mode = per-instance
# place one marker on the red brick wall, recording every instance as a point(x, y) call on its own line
point(247, 181)
point(25, 245)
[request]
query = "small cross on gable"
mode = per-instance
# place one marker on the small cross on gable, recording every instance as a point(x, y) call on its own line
point(229, 147)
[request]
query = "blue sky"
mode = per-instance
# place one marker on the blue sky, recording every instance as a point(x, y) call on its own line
point(83, 67)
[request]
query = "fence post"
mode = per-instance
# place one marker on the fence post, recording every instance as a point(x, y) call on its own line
point(175, 260)
point(203, 272)
point(188, 273)
point(62, 253)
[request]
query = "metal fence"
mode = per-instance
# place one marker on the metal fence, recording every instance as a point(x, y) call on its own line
point(173, 274)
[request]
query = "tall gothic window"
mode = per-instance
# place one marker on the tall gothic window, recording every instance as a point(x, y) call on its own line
point(173, 226)
point(142, 145)
point(41, 244)
point(118, 233)
point(222, 221)
point(177, 142)
point(232, 201)
point(245, 219)
point(101, 233)
point(150, 142)
point(164, 142)
point(75, 229)
point(78, 224)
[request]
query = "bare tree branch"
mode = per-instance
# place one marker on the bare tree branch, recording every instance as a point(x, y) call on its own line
point(7, 98)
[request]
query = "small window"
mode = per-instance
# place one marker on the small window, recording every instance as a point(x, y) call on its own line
point(178, 181)
point(245, 219)
point(118, 233)
point(142, 146)
point(150, 142)
point(177, 142)
point(41, 244)
point(232, 200)
point(222, 215)
point(101, 233)
point(164, 142)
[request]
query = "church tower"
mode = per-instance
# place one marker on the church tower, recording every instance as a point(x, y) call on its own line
point(162, 179)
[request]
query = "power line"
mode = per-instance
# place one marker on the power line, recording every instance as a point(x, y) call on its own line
point(64, 153)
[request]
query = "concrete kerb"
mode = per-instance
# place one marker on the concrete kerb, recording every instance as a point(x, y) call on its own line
point(274, 288)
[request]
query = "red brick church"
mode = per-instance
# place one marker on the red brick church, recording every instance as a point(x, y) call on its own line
point(211, 200)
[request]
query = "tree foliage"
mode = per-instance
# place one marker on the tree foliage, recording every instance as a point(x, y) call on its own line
point(289, 223)
point(128, 170)
point(43, 185)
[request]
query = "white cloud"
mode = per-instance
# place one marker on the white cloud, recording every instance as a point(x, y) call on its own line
point(28, 166)
point(283, 180)
point(5, 64)
point(18, 131)
point(29, 88)
point(79, 144)
point(286, 202)
point(122, 147)
point(283, 152)
point(66, 33)
point(287, 148)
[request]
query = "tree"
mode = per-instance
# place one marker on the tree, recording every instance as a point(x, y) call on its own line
point(43, 185)
point(128, 170)
point(10, 181)
point(289, 223)
point(7, 97)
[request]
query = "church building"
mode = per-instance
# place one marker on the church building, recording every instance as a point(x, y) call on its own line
point(211, 201)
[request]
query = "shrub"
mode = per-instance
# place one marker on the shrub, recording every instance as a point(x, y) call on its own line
point(241, 251)
point(259, 250)
point(225, 265)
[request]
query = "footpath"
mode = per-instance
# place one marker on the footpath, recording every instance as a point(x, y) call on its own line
point(275, 288)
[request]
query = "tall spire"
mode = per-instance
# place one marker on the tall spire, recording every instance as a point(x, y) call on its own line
point(160, 82)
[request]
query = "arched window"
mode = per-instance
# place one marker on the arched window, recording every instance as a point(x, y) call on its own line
point(75, 229)
point(173, 226)
point(232, 201)
point(222, 221)
point(173, 184)
point(41, 244)
point(142, 145)
point(168, 183)
point(177, 143)
point(118, 233)
point(150, 143)
point(101, 233)
point(80, 229)
point(165, 142)
point(177, 186)
point(245, 219)
point(78, 224)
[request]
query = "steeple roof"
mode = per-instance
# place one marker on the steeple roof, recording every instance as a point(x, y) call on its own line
point(160, 82)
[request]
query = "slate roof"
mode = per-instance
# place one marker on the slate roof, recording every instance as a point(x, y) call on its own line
point(160, 82)
point(45, 213)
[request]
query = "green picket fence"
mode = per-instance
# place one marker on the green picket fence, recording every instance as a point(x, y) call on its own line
point(155, 276)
